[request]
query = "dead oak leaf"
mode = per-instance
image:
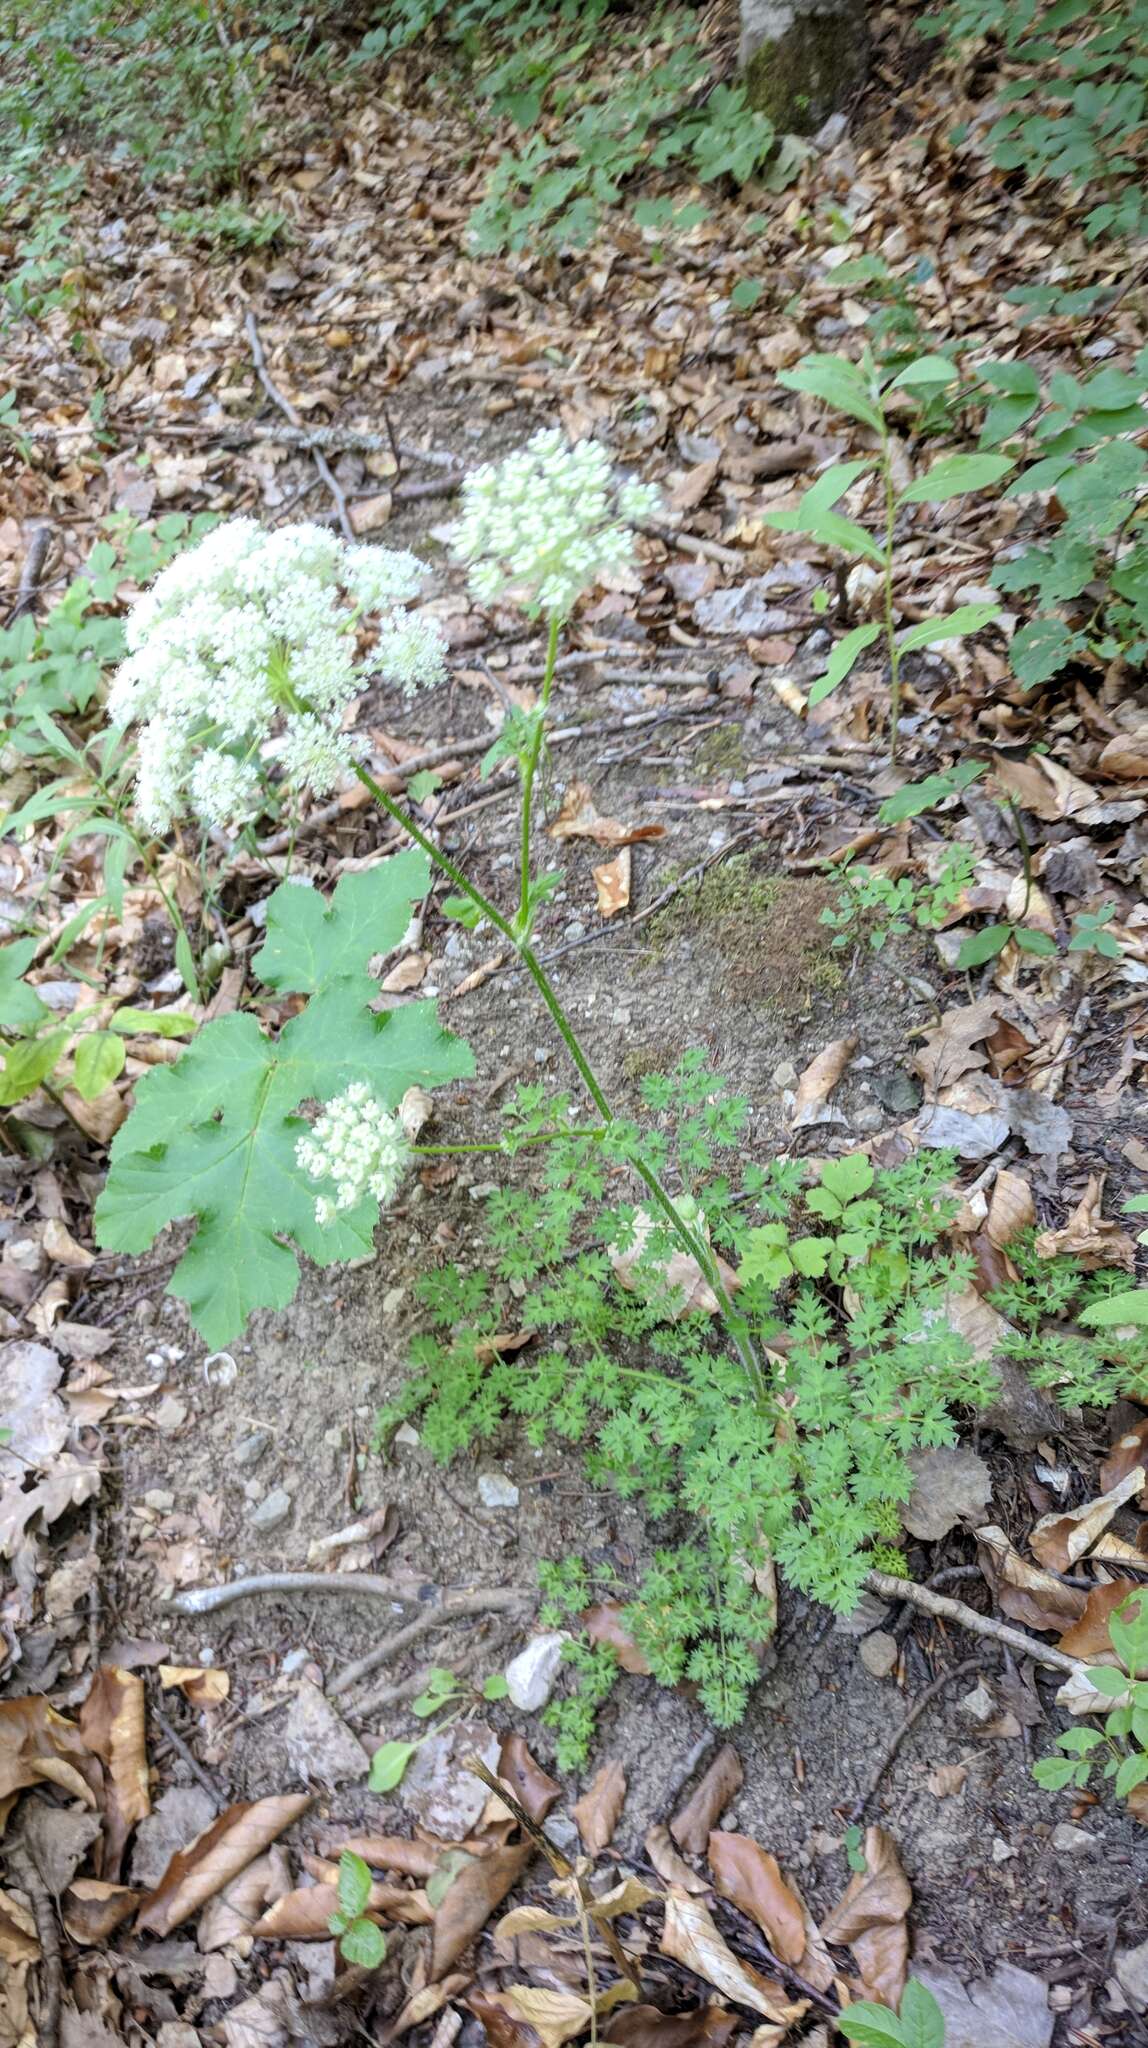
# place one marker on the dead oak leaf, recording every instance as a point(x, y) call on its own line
point(1090, 1238)
point(689, 1936)
point(953, 1049)
point(196, 1873)
point(1058, 1540)
point(580, 818)
point(1128, 1454)
point(751, 1880)
point(479, 1887)
point(871, 1919)
point(112, 1725)
point(613, 880)
point(817, 1083)
point(596, 1814)
point(693, 1824)
point(552, 2017)
point(38, 1746)
point(1023, 1591)
point(1089, 1637)
point(535, 1791)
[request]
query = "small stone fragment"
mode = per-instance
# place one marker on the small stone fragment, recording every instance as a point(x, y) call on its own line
point(979, 1705)
point(439, 1789)
point(1131, 1966)
point(179, 1815)
point(950, 1485)
point(495, 1490)
point(250, 1449)
point(530, 1676)
point(879, 1653)
point(1070, 1841)
point(320, 1746)
point(271, 1512)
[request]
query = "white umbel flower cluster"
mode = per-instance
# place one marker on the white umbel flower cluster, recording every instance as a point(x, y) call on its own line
point(358, 1145)
point(242, 657)
point(548, 522)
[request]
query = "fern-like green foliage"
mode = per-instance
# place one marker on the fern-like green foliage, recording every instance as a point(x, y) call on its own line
point(214, 1136)
point(1088, 1366)
point(844, 1286)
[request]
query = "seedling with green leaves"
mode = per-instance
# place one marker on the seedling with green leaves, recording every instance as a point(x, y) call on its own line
point(361, 1939)
point(35, 1048)
point(862, 391)
point(1121, 1747)
point(444, 1696)
point(883, 907)
point(920, 2023)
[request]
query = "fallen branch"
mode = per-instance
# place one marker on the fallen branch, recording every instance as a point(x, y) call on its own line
point(39, 542)
point(939, 1604)
point(922, 1701)
point(184, 1751)
point(694, 544)
point(487, 1651)
point(205, 1599)
point(289, 412)
point(455, 1607)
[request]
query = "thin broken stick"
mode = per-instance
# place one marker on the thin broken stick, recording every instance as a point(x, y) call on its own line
point(455, 1607)
point(205, 1599)
point(289, 412)
point(922, 1701)
point(945, 1609)
point(487, 1650)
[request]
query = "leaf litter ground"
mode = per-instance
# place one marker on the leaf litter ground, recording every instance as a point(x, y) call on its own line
point(211, 1466)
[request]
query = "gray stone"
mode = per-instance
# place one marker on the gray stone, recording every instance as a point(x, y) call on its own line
point(530, 1676)
point(250, 1449)
point(743, 608)
point(320, 1746)
point(1070, 1841)
point(495, 1490)
point(802, 59)
point(950, 1485)
point(1007, 2010)
point(879, 1653)
point(439, 1790)
point(182, 1813)
point(272, 1512)
point(1131, 1968)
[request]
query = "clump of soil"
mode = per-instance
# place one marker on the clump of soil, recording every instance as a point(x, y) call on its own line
point(767, 929)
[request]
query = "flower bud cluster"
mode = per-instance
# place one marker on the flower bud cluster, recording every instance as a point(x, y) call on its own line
point(358, 1145)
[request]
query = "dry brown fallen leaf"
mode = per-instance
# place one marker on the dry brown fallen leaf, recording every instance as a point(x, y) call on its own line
point(553, 2017)
point(1042, 786)
point(816, 1084)
point(93, 1909)
point(1092, 1239)
point(672, 1867)
point(201, 1685)
point(1088, 1636)
point(391, 1852)
point(1011, 1209)
point(751, 1880)
point(953, 1048)
point(643, 2026)
point(1128, 1454)
point(305, 1914)
point(1023, 1591)
point(112, 1725)
point(477, 1890)
point(534, 1790)
point(690, 1937)
point(613, 880)
point(603, 1624)
point(38, 1746)
point(628, 1896)
point(596, 1813)
point(871, 1919)
point(196, 1873)
point(1059, 1540)
point(693, 1824)
point(579, 818)
point(19, 1942)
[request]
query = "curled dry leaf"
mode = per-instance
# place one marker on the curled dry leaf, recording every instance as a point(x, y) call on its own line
point(816, 1084)
point(955, 1047)
point(579, 818)
point(1089, 1636)
point(596, 1813)
point(196, 1873)
point(693, 1824)
point(643, 2026)
point(535, 1792)
point(112, 1725)
point(39, 1746)
point(603, 1624)
point(19, 1942)
point(94, 1909)
point(1090, 1238)
point(871, 1919)
point(477, 1890)
point(1012, 1209)
point(305, 1914)
point(1058, 1540)
point(553, 2017)
point(671, 1867)
point(201, 1686)
point(391, 1852)
point(690, 1937)
point(1128, 1454)
point(1023, 1591)
point(613, 880)
point(751, 1880)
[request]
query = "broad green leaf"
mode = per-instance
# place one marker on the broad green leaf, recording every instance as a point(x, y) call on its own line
point(1080, 1741)
point(842, 659)
point(354, 1885)
point(916, 797)
point(160, 1023)
point(1118, 1309)
point(982, 946)
point(871, 2026)
point(953, 475)
point(848, 1177)
point(838, 532)
point(495, 1687)
point(1054, 1772)
point(831, 485)
point(1019, 380)
point(462, 911)
point(1034, 942)
point(928, 373)
point(185, 963)
point(968, 618)
point(1041, 649)
point(1132, 1772)
point(99, 1059)
point(746, 293)
point(449, 1866)
point(765, 1256)
point(27, 1063)
point(838, 382)
point(1004, 418)
point(364, 1944)
point(214, 1137)
point(810, 1256)
point(1128, 1629)
point(310, 940)
point(20, 1007)
point(389, 1764)
point(922, 2021)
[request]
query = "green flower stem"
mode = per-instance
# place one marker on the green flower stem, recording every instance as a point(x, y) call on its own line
point(515, 1144)
point(887, 591)
point(689, 1239)
point(530, 769)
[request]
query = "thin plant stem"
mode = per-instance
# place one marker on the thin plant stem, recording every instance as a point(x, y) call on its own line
point(514, 1145)
point(890, 622)
point(691, 1240)
point(530, 769)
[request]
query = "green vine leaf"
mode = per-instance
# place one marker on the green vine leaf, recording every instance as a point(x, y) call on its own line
point(311, 941)
point(214, 1136)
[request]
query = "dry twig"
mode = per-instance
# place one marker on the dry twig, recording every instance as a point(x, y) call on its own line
point(454, 1607)
point(289, 412)
point(945, 1609)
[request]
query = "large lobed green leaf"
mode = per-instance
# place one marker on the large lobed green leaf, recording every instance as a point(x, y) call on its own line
point(214, 1136)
